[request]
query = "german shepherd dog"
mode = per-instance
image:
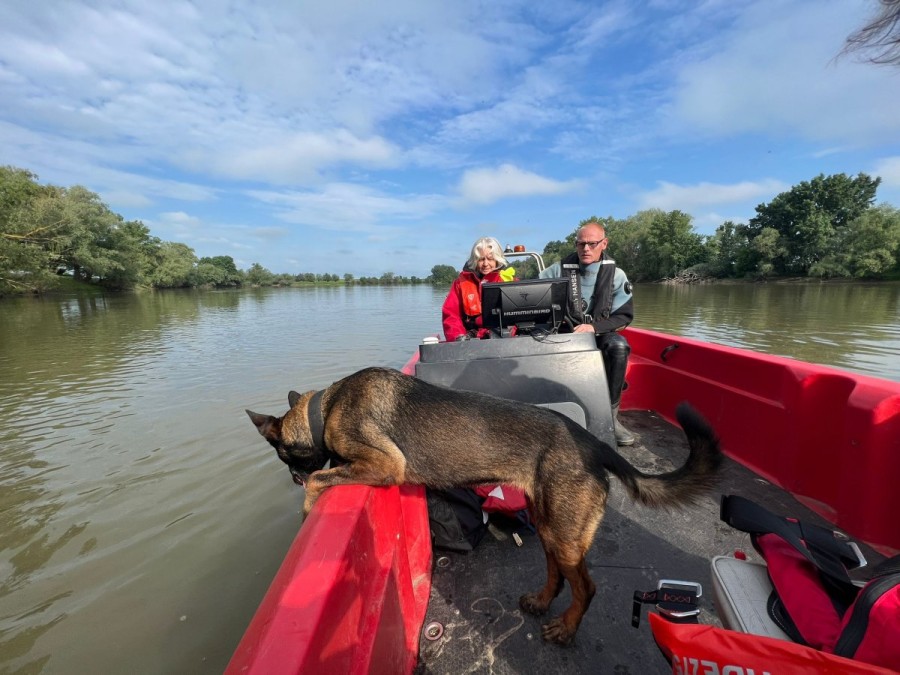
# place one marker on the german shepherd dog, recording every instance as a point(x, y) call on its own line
point(389, 428)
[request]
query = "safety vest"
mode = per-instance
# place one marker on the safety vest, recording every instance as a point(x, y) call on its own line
point(470, 291)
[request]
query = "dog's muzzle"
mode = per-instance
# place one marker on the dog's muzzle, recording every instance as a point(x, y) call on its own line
point(299, 477)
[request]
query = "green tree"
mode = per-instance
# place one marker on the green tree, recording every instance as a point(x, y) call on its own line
point(553, 252)
point(45, 229)
point(219, 270)
point(18, 189)
point(259, 275)
point(767, 248)
point(628, 241)
point(869, 248)
point(655, 244)
point(724, 249)
point(175, 266)
point(129, 243)
point(86, 226)
point(811, 218)
point(26, 262)
point(443, 275)
point(208, 274)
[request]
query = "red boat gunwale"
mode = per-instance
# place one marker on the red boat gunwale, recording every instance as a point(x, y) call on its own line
point(352, 592)
point(828, 436)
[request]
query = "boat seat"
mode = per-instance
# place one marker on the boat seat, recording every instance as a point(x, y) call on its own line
point(741, 590)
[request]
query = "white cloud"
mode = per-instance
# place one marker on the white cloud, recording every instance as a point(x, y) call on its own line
point(179, 218)
point(669, 196)
point(302, 155)
point(270, 233)
point(485, 186)
point(760, 77)
point(348, 207)
point(276, 94)
point(826, 152)
point(62, 160)
point(126, 199)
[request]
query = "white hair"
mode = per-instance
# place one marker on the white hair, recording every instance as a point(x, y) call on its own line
point(487, 245)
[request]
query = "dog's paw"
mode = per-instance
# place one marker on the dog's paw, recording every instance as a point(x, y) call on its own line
point(531, 603)
point(557, 631)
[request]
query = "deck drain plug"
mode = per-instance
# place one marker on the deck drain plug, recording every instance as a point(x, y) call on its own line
point(434, 630)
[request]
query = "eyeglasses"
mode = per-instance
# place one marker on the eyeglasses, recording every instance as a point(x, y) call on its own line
point(589, 244)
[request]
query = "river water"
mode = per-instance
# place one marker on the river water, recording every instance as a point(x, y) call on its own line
point(142, 517)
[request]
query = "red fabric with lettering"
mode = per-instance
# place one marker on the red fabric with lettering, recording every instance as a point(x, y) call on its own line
point(695, 649)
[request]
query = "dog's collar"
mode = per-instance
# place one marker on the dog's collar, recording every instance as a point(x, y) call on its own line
point(316, 421)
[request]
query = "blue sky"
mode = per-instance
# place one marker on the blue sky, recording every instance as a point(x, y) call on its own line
point(363, 137)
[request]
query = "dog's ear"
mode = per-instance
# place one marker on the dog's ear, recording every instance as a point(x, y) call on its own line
point(266, 425)
point(293, 397)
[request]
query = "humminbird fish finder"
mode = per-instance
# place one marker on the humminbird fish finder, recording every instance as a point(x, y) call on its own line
point(529, 305)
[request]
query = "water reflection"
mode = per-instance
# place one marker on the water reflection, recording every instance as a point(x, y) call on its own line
point(141, 518)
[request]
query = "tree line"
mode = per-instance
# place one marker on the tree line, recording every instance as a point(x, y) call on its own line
point(49, 232)
point(826, 227)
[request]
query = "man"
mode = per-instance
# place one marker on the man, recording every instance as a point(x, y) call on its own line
point(607, 308)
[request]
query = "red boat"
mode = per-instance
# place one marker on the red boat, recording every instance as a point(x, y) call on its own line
point(359, 590)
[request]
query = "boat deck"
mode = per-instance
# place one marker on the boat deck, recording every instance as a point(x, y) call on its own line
point(475, 596)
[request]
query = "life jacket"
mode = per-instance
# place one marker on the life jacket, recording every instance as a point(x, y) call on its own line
point(470, 289)
point(839, 628)
point(600, 304)
point(814, 600)
point(470, 296)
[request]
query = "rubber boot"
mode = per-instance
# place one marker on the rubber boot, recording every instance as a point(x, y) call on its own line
point(623, 436)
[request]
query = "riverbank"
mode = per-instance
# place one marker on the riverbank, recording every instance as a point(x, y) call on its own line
point(697, 280)
point(67, 286)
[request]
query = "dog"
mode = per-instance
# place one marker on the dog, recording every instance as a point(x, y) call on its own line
point(387, 428)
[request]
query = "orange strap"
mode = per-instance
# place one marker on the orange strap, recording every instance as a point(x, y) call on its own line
point(470, 295)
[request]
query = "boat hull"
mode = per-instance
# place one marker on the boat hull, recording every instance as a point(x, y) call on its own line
point(352, 593)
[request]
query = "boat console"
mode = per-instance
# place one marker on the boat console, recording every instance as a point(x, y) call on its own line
point(563, 372)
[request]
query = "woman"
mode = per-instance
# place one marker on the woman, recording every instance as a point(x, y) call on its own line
point(462, 308)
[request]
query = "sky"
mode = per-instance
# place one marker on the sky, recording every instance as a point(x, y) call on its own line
point(372, 137)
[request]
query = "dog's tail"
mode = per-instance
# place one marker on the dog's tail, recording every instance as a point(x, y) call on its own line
point(689, 482)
